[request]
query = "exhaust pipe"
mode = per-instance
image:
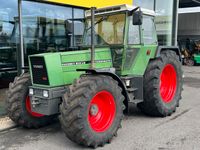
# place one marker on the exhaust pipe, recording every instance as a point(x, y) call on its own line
point(92, 37)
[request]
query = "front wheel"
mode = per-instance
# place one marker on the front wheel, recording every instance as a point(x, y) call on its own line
point(19, 105)
point(91, 113)
point(162, 85)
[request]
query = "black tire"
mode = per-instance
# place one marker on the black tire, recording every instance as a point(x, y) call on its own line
point(16, 104)
point(153, 104)
point(75, 110)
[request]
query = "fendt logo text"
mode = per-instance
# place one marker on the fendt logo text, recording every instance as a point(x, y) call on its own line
point(38, 66)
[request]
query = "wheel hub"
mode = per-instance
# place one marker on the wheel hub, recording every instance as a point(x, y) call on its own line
point(102, 111)
point(94, 110)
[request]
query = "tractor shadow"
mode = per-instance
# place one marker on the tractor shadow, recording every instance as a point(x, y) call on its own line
point(134, 112)
point(48, 136)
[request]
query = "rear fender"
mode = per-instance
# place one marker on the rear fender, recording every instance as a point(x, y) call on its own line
point(160, 49)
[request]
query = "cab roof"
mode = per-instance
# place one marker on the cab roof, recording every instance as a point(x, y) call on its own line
point(119, 8)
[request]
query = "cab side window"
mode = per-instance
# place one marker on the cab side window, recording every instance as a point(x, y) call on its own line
point(134, 33)
point(149, 31)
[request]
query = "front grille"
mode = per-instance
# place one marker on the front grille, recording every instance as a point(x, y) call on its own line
point(39, 71)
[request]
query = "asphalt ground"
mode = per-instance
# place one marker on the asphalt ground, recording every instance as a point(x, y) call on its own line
point(181, 131)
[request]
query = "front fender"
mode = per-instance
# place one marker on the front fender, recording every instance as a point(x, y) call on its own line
point(110, 72)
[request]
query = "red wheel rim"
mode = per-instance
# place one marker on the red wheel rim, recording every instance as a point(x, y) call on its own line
point(168, 83)
point(28, 108)
point(102, 111)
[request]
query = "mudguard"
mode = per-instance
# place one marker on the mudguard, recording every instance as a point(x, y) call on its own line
point(110, 72)
point(172, 48)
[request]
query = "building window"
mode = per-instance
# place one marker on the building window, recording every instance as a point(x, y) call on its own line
point(8, 48)
point(149, 31)
point(78, 26)
point(164, 21)
point(50, 28)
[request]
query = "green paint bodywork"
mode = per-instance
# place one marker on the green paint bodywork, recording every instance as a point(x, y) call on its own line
point(61, 70)
point(141, 61)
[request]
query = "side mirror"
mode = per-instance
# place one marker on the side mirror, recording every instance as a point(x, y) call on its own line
point(137, 17)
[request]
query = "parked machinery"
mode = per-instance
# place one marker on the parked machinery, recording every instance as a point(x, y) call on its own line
point(190, 50)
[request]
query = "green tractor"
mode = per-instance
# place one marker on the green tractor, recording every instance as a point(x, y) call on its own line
point(91, 88)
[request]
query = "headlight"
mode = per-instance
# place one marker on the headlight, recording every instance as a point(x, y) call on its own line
point(31, 92)
point(45, 93)
point(128, 82)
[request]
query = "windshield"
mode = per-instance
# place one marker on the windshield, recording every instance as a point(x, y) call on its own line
point(108, 30)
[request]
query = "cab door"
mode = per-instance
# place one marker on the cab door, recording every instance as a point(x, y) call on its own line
point(141, 46)
point(133, 45)
point(149, 39)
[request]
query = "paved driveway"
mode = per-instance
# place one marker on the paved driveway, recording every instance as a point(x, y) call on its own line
point(181, 131)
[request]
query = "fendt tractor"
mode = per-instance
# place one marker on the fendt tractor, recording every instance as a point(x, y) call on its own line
point(91, 87)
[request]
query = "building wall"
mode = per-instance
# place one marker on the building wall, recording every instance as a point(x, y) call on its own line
point(189, 25)
point(91, 3)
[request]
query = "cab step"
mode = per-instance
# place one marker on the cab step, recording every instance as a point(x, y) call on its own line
point(136, 101)
point(129, 90)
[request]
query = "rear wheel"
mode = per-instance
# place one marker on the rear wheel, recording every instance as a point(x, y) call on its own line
point(19, 105)
point(162, 85)
point(92, 111)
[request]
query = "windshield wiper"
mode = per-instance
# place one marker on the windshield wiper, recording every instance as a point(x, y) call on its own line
point(99, 21)
point(4, 21)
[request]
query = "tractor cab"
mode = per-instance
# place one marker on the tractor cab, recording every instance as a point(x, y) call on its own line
point(125, 30)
